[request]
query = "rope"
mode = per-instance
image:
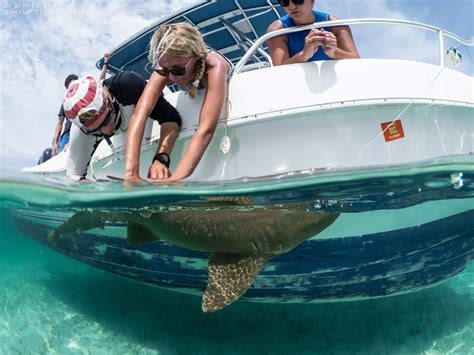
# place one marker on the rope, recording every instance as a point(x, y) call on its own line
point(224, 146)
point(426, 88)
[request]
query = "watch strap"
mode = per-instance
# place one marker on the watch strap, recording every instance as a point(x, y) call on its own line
point(163, 158)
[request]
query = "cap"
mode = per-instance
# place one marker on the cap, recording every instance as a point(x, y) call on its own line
point(83, 95)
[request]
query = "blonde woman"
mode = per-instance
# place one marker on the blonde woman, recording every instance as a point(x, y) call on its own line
point(179, 55)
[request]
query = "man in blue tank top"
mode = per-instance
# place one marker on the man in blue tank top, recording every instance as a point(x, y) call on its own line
point(306, 46)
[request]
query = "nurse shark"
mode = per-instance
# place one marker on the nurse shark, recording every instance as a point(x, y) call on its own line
point(241, 239)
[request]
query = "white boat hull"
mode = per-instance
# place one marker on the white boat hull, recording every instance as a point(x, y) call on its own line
point(334, 119)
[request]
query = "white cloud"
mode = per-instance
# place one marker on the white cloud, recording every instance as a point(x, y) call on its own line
point(386, 41)
point(41, 43)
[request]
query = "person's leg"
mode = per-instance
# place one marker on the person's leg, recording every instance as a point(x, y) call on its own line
point(64, 140)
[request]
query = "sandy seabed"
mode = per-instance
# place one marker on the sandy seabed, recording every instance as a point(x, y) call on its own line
point(50, 304)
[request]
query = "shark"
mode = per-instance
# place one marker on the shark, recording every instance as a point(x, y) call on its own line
point(240, 238)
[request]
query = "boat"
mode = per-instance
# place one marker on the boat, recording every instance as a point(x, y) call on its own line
point(370, 112)
point(346, 125)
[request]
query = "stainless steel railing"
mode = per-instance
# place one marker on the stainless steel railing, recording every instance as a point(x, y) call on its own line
point(441, 35)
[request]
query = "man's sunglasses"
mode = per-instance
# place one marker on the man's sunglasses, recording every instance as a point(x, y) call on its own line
point(104, 123)
point(286, 3)
point(176, 71)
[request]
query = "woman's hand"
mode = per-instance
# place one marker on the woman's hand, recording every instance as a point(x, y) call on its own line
point(311, 43)
point(136, 127)
point(329, 43)
point(158, 171)
point(316, 38)
point(132, 180)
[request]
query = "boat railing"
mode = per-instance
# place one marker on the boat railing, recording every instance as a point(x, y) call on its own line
point(244, 41)
point(441, 36)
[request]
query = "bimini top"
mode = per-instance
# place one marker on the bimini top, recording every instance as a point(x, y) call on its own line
point(229, 27)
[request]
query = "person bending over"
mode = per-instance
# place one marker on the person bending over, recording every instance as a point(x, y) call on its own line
point(98, 112)
point(179, 55)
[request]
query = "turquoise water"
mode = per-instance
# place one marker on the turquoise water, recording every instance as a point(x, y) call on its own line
point(50, 303)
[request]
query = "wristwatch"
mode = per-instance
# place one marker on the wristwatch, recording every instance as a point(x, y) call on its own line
point(163, 158)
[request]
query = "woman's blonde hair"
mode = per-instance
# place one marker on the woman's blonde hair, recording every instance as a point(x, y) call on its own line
point(181, 40)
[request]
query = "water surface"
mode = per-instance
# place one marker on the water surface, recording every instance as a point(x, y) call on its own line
point(50, 303)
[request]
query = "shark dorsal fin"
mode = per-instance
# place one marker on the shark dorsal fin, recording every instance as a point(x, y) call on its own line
point(230, 275)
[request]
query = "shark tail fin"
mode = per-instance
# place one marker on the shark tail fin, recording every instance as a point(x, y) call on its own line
point(230, 275)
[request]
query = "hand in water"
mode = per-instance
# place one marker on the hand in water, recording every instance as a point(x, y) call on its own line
point(132, 180)
point(158, 171)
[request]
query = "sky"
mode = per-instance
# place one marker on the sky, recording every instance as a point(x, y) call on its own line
point(42, 41)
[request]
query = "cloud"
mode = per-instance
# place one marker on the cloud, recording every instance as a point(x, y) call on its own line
point(41, 43)
point(387, 41)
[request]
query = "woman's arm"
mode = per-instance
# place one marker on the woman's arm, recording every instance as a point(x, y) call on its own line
point(346, 47)
point(278, 47)
point(208, 118)
point(103, 72)
point(168, 134)
point(337, 44)
point(145, 105)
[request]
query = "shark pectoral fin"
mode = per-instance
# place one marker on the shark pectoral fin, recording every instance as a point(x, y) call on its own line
point(83, 220)
point(138, 234)
point(230, 275)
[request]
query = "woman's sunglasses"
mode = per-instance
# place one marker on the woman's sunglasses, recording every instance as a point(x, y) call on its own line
point(286, 3)
point(104, 123)
point(176, 71)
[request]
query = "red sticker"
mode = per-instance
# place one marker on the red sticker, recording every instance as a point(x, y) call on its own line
point(392, 130)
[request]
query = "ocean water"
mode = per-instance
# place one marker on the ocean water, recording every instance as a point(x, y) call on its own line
point(52, 304)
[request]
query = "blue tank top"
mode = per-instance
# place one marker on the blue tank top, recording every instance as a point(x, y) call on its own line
point(296, 39)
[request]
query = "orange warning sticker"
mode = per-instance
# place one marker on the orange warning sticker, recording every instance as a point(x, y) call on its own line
point(392, 130)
